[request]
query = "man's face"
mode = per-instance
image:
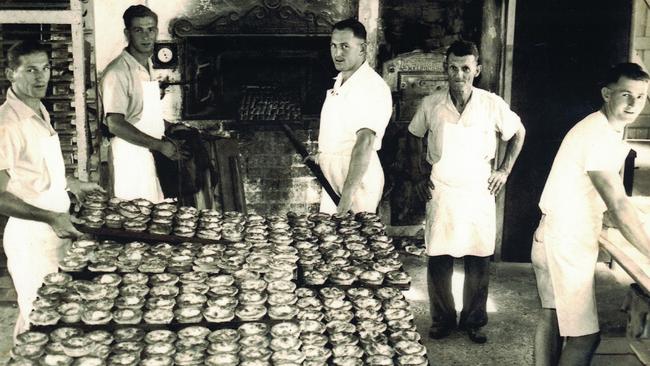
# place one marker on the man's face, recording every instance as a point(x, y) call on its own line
point(461, 71)
point(348, 52)
point(625, 99)
point(29, 80)
point(142, 34)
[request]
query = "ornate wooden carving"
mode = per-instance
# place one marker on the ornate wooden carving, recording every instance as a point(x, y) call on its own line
point(266, 17)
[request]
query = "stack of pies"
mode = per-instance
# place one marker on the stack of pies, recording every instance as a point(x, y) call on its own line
point(93, 207)
point(162, 217)
point(209, 225)
point(185, 221)
point(136, 214)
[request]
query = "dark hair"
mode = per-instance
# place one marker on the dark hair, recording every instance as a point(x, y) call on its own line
point(463, 48)
point(354, 25)
point(628, 69)
point(23, 48)
point(137, 11)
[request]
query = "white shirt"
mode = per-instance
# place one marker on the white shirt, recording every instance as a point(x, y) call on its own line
point(485, 110)
point(121, 87)
point(591, 145)
point(20, 153)
point(363, 101)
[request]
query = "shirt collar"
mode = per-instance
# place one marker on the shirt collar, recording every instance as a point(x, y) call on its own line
point(24, 111)
point(134, 63)
point(450, 103)
point(357, 75)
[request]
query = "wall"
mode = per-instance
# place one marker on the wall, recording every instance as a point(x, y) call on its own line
point(555, 85)
point(428, 24)
point(276, 180)
point(274, 177)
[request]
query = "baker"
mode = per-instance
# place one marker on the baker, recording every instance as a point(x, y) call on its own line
point(463, 124)
point(133, 110)
point(32, 178)
point(584, 182)
point(352, 124)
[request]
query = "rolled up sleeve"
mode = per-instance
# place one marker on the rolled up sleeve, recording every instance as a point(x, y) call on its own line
point(9, 147)
point(373, 112)
point(115, 92)
point(507, 121)
point(418, 125)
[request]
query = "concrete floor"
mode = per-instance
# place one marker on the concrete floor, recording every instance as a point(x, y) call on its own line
point(513, 309)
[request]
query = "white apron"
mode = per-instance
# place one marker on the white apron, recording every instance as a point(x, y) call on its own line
point(335, 165)
point(461, 215)
point(134, 170)
point(564, 256)
point(33, 250)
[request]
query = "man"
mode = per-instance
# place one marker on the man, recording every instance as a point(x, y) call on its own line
point(462, 123)
point(583, 182)
point(32, 178)
point(353, 120)
point(133, 110)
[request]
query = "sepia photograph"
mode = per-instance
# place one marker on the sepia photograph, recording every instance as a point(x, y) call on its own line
point(324, 182)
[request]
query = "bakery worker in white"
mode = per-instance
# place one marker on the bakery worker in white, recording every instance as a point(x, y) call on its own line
point(584, 182)
point(463, 124)
point(32, 178)
point(133, 110)
point(352, 124)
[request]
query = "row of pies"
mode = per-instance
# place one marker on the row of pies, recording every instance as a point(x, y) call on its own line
point(109, 256)
point(165, 297)
point(140, 214)
point(286, 343)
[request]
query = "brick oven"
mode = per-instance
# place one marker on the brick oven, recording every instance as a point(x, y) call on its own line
point(248, 66)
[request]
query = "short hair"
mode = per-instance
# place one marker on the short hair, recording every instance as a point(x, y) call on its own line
point(629, 70)
point(137, 11)
point(23, 48)
point(354, 25)
point(463, 48)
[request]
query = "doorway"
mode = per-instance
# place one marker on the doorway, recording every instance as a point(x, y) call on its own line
point(561, 49)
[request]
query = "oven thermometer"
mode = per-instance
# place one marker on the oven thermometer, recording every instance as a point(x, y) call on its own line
point(165, 55)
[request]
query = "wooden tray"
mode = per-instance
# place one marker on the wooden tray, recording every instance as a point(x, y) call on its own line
point(108, 233)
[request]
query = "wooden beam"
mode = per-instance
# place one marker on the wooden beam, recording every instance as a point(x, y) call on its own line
point(627, 262)
point(40, 16)
point(78, 70)
point(369, 15)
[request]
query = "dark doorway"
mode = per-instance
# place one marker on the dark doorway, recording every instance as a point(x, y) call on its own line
point(561, 49)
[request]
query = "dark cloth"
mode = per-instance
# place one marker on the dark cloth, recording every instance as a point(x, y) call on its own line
point(185, 177)
point(475, 291)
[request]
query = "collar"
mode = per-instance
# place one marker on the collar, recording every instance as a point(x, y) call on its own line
point(450, 102)
point(605, 121)
point(356, 76)
point(134, 63)
point(23, 111)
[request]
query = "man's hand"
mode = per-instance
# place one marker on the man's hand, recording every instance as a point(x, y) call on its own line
point(173, 151)
point(80, 189)
point(61, 223)
point(423, 188)
point(312, 157)
point(497, 181)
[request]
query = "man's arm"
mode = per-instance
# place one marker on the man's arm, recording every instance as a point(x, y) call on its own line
point(359, 161)
point(622, 211)
point(499, 177)
point(421, 179)
point(10, 205)
point(118, 126)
